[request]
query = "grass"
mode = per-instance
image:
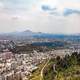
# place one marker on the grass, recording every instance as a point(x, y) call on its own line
point(71, 73)
point(36, 75)
point(48, 73)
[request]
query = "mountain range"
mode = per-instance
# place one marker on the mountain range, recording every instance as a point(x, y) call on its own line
point(27, 34)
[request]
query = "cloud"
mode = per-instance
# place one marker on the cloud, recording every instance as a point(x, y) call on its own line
point(18, 5)
point(62, 7)
point(63, 12)
point(68, 12)
point(40, 15)
point(50, 10)
point(52, 7)
point(47, 8)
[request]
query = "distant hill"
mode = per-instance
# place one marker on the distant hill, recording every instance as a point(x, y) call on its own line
point(27, 34)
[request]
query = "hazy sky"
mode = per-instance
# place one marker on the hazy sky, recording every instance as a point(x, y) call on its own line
point(53, 16)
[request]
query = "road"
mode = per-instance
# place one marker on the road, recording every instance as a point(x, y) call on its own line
point(41, 78)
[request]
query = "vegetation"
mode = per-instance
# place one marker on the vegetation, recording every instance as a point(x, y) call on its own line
point(48, 73)
point(29, 48)
point(36, 75)
point(67, 68)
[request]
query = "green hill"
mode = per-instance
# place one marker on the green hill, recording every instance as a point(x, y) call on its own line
point(67, 68)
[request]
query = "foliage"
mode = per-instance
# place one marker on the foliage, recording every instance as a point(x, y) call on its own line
point(67, 68)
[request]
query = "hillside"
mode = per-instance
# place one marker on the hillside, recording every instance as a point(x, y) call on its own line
point(67, 68)
point(29, 35)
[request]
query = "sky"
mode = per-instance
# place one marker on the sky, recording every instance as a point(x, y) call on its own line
point(51, 16)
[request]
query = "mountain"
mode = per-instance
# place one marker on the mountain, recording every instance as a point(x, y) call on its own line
point(27, 34)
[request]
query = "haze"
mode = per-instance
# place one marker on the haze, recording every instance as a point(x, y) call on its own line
point(52, 16)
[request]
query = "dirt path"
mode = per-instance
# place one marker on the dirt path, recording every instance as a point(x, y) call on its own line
point(43, 70)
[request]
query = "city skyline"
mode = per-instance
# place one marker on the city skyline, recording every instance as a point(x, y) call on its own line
point(51, 16)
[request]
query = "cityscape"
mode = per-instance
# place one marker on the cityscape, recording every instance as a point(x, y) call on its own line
point(20, 60)
point(39, 39)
